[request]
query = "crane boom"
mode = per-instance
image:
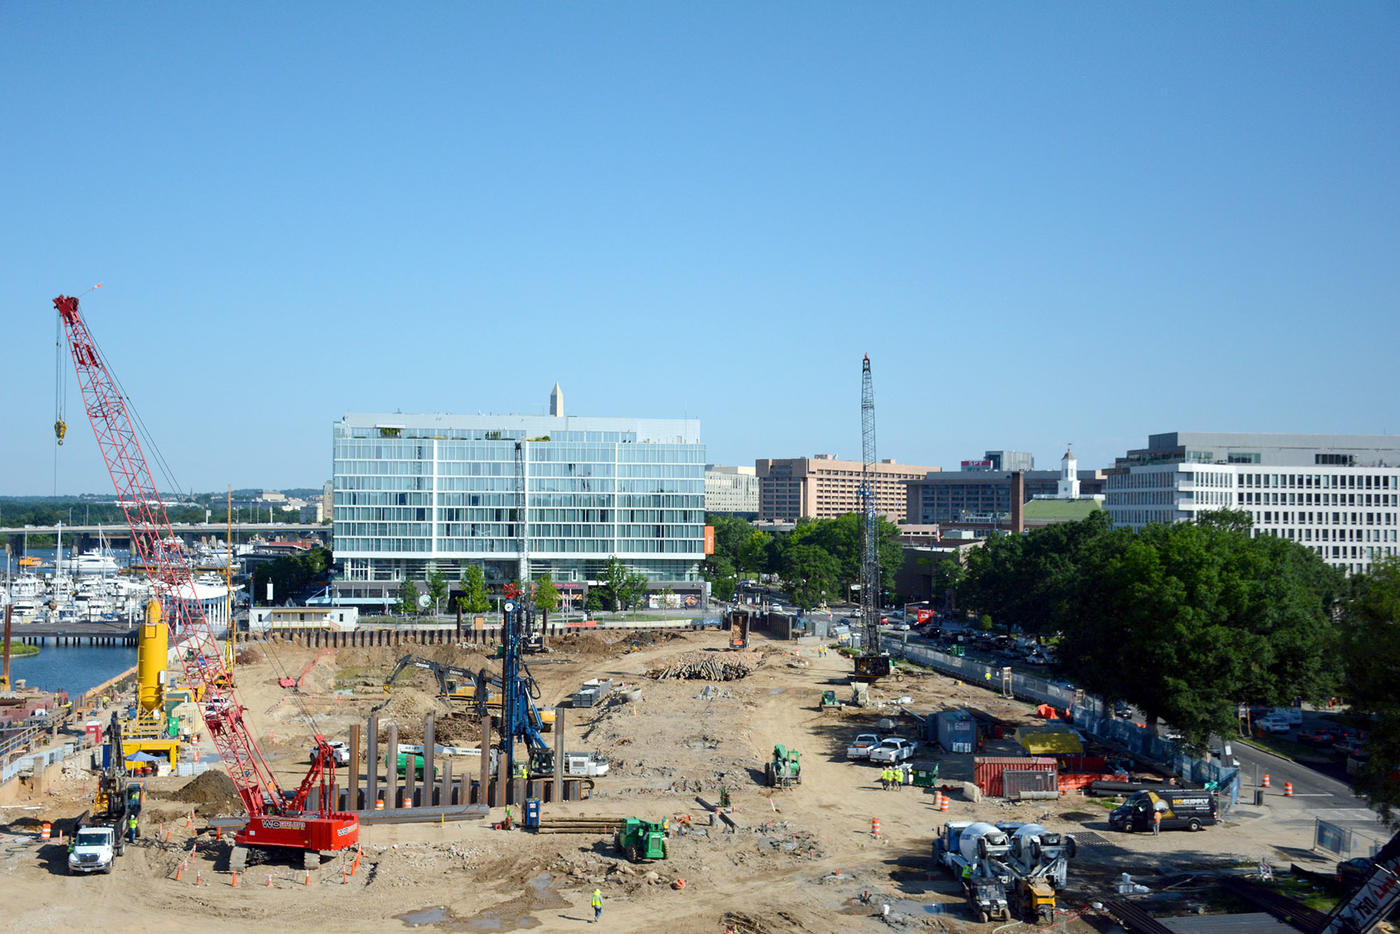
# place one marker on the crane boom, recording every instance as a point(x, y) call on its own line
point(871, 663)
point(155, 543)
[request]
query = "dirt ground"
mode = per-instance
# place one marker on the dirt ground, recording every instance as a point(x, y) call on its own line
point(800, 859)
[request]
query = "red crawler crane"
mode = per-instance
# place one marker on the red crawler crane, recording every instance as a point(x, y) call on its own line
point(275, 818)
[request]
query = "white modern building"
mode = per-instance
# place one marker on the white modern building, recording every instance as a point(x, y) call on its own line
point(1335, 494)
point(731, 489)
point(415, 494)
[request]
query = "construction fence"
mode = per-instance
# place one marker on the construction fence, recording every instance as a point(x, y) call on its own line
point(1089, 712)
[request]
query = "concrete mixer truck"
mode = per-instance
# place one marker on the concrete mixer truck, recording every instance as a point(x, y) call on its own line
point(1039, 863)
point(973, 852)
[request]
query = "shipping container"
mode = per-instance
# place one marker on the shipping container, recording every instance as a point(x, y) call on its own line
point(987, 770)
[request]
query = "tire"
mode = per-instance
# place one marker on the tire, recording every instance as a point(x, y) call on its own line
point(983, 917)
point(663, 849)
point(634, 853)
point(1193, 825)
point(1071, 848)
point(110, 866)
point(1005, 914)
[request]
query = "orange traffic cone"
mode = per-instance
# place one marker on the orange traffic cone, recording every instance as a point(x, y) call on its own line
point(1288, 789)
point(942, 802)
point(1265, 782)
point(308, 878)
point(234, 879)
point(874, 826)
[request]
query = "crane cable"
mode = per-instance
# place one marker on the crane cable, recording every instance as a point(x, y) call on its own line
point(162, 464)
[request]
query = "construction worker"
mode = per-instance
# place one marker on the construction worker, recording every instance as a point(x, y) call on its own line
point(885, 779)
point(131, 829)
point(1156, 822)
point(597, 905)
point(967, 875)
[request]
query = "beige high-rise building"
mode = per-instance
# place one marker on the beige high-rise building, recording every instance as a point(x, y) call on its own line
point(822, 487)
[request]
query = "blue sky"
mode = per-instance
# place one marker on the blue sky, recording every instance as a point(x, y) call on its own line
point(1044, 222)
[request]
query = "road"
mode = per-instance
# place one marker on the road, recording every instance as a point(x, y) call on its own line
point(1315, 796)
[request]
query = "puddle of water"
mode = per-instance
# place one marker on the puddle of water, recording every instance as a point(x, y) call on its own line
point(435, 914)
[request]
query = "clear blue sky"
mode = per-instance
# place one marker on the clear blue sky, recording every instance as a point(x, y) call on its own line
point(1044, 222)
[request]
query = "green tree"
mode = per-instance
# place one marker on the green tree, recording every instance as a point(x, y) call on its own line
point(408, 598)
point(614, 583)
point(753, 553)
point(946, 577)
point(812, 575)
point(984, 623)
point(1371, 654)
point(546, 597)
point(437, 587)
point(474, 598)
point(722, 589)
point(593, 601)
point(1185, 621)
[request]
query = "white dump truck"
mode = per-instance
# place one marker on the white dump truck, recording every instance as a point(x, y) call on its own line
point(94, 849)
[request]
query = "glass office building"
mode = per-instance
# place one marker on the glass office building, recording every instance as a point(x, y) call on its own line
point(523, 495)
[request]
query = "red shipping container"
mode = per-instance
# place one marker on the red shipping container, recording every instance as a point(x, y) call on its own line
point(986, 770)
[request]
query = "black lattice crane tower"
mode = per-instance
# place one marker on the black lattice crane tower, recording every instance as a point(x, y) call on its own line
point(871, 663)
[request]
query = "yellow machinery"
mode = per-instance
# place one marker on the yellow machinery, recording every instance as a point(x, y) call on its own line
point(151, 732)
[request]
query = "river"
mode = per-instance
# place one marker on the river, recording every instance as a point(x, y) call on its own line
point(72, 668)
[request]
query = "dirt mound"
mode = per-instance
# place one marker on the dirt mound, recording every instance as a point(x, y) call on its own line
point(407, 706)
point(209, 791)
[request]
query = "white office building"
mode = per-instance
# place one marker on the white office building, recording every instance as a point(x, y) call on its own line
point(420, 493)
point(1335, 494)
point(731, 490)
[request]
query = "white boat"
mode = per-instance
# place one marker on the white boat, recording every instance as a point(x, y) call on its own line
point(93, 561)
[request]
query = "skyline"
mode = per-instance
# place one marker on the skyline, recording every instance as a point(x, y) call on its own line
point(1044, 225)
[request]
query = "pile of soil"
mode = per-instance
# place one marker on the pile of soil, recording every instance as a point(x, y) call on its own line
point(209, 791)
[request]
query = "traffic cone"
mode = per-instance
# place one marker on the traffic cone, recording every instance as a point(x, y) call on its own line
point(874, 826)
point(1288, 789)
point(179, 871)
point(46, 831)
point(942, 802)
point(199, 878)
point(269, 880)
point(1265, 782)
point(308, 878)
point(379, 804)
point(234, 880)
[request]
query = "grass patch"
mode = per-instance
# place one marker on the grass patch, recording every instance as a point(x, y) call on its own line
point(23, 650)
point(1303, 890)
point(1289, 749)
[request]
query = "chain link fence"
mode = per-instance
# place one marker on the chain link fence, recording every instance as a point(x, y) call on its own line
point(1089, 712)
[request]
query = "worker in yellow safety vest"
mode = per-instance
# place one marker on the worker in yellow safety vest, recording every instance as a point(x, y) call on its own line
point(597, 905)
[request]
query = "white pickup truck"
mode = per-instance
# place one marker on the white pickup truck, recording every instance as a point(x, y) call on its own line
point(93, 850)
point(893, 751)
point(339, 752)
point(861, 746)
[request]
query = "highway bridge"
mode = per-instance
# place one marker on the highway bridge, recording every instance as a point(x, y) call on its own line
point(119, 536)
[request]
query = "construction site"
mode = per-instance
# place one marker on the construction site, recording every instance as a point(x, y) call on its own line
point(750, 778)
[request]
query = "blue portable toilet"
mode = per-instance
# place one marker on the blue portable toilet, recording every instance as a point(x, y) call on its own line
point(532, 813)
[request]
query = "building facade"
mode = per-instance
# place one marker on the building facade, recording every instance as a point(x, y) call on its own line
point(732, 490)
point(980, 494)
point(1334, 494)
point(522, 495)
point(822, 487)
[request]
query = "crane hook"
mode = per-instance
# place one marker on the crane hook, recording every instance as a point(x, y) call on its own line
point(60, 428)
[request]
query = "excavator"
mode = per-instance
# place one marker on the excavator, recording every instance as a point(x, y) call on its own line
point(454, 683)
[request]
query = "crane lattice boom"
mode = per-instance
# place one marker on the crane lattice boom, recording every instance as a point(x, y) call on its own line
point(871, 663)
point(156, 545)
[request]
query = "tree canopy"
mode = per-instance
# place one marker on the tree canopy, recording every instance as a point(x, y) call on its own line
point(473, 598)
point(1371, 653)
point(1185, 621)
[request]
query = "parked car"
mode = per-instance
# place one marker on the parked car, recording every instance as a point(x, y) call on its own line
point(339, 751)
point(1273, 724)
point(1352, 872)
point(893, 750)
point(1317, 736)
point(860, 747)
point(1122, 710)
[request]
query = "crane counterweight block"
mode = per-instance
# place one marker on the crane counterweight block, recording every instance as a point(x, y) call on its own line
point(275, 819)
